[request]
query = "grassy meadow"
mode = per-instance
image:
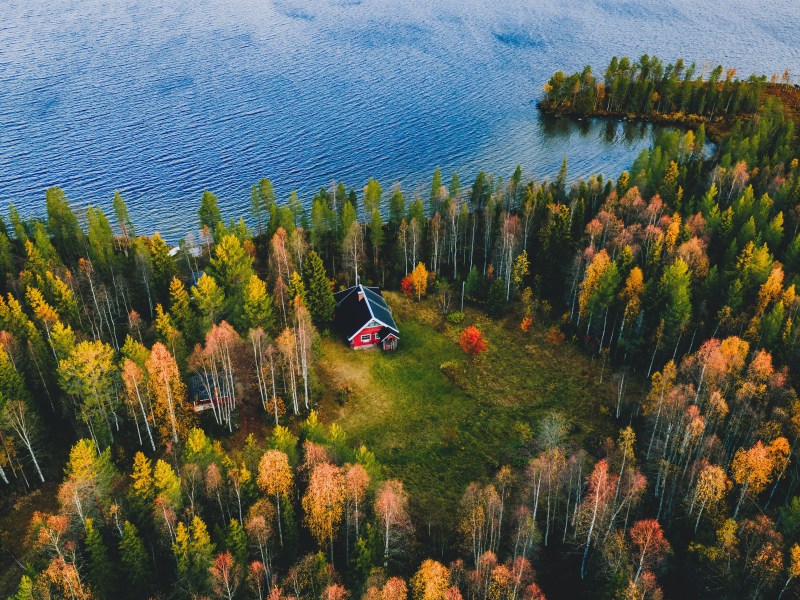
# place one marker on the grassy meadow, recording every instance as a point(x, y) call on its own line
point(438, 432)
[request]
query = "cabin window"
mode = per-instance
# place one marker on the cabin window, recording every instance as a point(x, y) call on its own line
point(366, 337)
point(377, 336)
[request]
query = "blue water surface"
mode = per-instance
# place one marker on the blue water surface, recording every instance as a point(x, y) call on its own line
point(162, 100)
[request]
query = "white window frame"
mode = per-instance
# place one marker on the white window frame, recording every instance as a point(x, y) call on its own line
point(377, 337)
point(368, 336)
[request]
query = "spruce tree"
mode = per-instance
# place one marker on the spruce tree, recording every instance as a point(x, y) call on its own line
point(318, 290)
point(181, 307)
point(101, 568)
point(236, 542)
point(496, 302)
point(209, 213)
point(134, 557)
point(436, 186)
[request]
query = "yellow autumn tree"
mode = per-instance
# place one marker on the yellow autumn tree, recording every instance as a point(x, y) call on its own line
point(712, 485)
point(431, 581)
point(631, 295)
point(419, 280)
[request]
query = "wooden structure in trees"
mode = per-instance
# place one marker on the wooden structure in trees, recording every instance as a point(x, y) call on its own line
point(364, 319)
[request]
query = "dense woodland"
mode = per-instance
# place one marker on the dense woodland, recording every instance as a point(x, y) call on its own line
point(680, 274)
point(649, 88)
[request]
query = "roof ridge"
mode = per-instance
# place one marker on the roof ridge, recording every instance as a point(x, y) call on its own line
point(366, 299)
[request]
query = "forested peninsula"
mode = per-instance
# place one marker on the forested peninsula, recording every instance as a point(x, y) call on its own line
point(677, 93)
point(593, 394)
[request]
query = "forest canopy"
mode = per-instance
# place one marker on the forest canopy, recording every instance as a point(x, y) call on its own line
point(679, 278)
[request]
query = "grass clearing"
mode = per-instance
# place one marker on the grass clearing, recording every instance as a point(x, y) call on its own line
point(438, 433)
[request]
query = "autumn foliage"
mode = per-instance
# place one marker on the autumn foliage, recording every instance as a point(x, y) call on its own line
point(407, 286)
point(472, 341)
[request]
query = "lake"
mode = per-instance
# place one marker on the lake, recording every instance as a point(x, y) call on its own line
point(163, 100)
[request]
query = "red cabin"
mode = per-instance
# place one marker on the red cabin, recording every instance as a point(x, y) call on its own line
point(364, 319)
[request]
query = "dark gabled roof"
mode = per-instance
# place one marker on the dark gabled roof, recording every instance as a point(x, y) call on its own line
point(200, 386)
point(352, 313)
point(386, 332)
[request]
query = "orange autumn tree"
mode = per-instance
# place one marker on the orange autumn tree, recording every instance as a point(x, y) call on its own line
point(356, 482)
point(172, 413)
point(472, 341)
point(323, 503)
point(275, 479)
point(755, 468)
point(226, 575)
point(391, 509)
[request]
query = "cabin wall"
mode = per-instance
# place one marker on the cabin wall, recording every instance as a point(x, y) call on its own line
point(356, 342)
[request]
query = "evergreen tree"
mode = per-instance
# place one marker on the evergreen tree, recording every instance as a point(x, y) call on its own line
point(123, 219)
point(101, 568)
point(24, 590)
point(319, 295)
point(376, 235)
point(436, 187)
point(231, 267)
point(372, 196)
point(677, 304)
point(162, 264)
point(181, 307)
point(455, 186)
point(194, 552)
point(101, 241)
point(209, 213)
point(472, 283)
point(236, 542)
point(397, 206)
point(20, 233)
point(135, 560)
point(496, 301)
point(62, 224)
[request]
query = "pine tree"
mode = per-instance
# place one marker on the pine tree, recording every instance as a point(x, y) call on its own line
point(236, 542)
point(319, 295)
point(496, 302)
point(135, 561)
point(231, 267)
point(123, 219)
point(436, 187)
point(101, 568)
point(209, 213)
point(62, 224)
point(101, 240)
point(181, 307)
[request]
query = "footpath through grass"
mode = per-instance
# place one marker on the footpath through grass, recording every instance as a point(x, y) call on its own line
point(438, 432)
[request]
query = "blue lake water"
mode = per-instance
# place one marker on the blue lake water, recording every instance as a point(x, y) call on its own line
point(162, 100)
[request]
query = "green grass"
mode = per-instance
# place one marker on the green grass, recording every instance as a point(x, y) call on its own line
point(437, 434)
